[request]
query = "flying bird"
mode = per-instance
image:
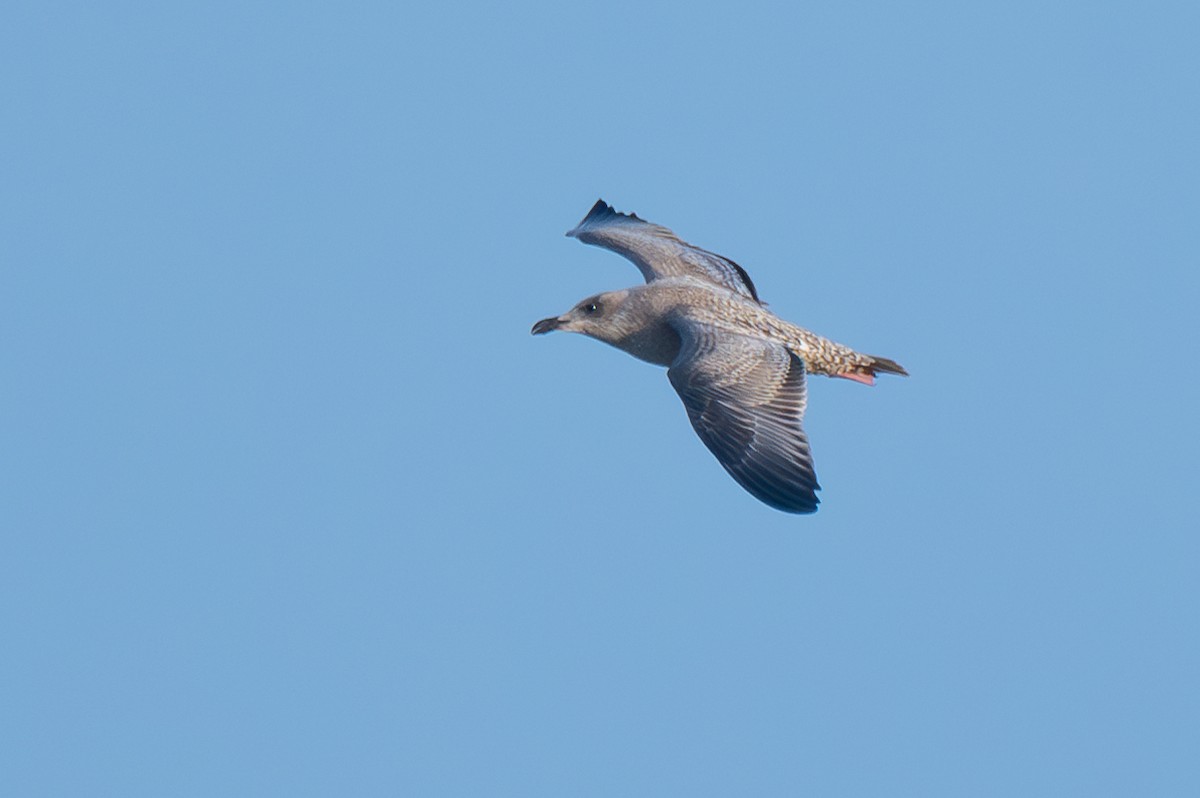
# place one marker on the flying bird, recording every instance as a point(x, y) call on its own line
point(739, 368)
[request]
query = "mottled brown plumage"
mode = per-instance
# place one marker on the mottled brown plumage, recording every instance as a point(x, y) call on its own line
point(737, 366)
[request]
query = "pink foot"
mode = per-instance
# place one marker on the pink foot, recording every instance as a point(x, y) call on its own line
point(865, 379)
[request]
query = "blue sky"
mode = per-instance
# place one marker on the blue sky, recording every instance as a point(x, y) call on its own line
point(293, 504)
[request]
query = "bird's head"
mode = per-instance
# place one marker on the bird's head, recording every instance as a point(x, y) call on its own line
point(598, 316)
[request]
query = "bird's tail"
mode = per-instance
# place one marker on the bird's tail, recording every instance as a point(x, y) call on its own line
point(865, 372)
point(887, 366)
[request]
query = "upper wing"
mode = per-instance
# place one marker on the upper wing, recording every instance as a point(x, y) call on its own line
point(656, 251)
point(746, 397)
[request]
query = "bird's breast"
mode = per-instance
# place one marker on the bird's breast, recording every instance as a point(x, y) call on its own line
point(656, 343)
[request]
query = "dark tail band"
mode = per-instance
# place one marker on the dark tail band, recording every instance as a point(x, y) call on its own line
point(887, 366)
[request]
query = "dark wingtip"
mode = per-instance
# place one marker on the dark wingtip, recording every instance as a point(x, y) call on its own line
point(800, 504)
point(601, 210)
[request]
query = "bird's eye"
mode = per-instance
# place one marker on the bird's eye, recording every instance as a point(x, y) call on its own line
point(590, 307)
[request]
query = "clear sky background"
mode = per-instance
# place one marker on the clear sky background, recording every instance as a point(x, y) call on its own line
point(292, 503)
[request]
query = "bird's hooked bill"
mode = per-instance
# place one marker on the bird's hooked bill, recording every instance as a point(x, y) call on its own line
point(544, 326)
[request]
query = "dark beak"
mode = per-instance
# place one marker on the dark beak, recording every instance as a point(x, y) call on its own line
point(544, 326)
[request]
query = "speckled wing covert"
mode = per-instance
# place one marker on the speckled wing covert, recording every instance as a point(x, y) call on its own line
point(656, 251)
point(746, 398)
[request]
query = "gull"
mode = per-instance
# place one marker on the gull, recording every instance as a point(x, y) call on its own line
point(739, 368)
